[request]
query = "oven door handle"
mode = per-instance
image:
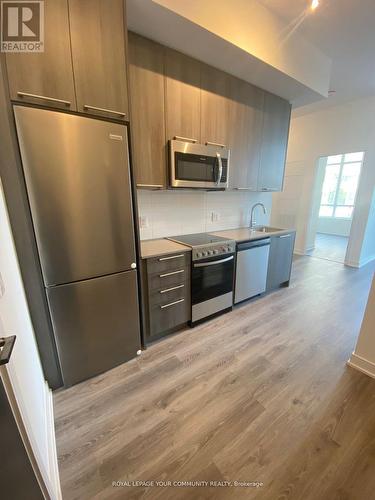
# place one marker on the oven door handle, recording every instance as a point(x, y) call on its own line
point(213, 263)
point(220, 171)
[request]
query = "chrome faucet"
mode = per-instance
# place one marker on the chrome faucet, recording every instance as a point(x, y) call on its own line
point(252, 224)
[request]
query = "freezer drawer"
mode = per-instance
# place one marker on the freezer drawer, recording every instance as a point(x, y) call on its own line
point(251, 269)
point(78, 182)
point(96, 324)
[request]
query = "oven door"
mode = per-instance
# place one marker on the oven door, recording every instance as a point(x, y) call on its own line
point(198, 166)
point(211, 278)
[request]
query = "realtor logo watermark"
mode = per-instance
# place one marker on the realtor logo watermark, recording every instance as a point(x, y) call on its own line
point(22, 26)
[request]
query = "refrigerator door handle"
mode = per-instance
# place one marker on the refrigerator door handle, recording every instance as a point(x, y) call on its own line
point(6, 348)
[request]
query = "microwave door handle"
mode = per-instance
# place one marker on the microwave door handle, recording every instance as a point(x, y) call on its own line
point(220, 171)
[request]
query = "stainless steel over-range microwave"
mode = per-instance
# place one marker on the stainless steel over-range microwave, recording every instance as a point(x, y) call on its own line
point(202, 166)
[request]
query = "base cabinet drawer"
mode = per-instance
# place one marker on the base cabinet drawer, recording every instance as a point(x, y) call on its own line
point(168, 279)
point(169, 294)
point(167, 263)
point(168, 315)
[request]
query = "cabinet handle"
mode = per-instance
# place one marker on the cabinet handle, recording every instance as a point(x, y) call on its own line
point(208, 143)
point(172, 257)
point(172, 273)
point(269, 189)
point(155, 186)
point(172, 303)
point(113, 112)
point(241, 189)
point(284, 236)
point(186, 139)
point(43, 97)
point(6, 348)
point(171, 289)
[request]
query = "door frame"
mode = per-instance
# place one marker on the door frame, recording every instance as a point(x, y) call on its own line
point(315, 202)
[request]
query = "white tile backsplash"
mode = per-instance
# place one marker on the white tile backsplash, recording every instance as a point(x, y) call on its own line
point(170, 213)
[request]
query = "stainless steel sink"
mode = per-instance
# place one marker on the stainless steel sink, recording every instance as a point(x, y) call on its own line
point(266, 229)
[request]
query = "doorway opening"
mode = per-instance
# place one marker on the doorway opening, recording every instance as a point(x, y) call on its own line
point(335, 197)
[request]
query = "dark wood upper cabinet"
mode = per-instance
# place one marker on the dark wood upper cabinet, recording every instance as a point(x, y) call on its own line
point(232, 115)
point(254, 124)
point(215, 106)
point(98, 37)
point(46, 78)
point(182, 96)
point(146, 75)
point(276, 120)
point(245, 134)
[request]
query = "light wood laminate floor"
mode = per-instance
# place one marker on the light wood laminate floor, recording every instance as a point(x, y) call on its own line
point(330, 247)
point(259, 394)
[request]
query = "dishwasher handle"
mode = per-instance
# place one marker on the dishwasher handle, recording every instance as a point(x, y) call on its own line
point(253, 244)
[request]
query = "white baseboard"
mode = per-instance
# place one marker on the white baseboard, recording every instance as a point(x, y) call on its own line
point(300, 251)
point(362, 364)
point(355, 263)
point(52, 451)
point(352, 263)
point(366, 261)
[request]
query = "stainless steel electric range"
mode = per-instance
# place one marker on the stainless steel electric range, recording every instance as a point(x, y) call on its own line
point(212, 273)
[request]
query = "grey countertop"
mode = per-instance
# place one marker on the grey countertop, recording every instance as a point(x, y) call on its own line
point(245, 234)
point(161, 246)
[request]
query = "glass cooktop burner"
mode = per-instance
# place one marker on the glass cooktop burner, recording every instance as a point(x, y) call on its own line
point(197, 239)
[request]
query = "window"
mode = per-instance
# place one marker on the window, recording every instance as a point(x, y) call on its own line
point(340, 185)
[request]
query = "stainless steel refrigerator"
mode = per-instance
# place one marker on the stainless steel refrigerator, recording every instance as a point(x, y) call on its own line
point(78, 184)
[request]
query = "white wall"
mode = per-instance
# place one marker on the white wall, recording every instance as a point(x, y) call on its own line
point(289, 207)
point(316, 198)
point(267, 39)
point(332, 225)
point(363, 358)
point(32, 393)
point(175, 212)
point(341, 129)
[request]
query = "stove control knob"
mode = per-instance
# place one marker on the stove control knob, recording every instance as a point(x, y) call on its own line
point(205, 254)
point(216, 251)
point(211, 252)
point(199, 255)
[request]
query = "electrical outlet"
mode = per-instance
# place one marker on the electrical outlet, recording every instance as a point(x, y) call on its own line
point(143, 221)
point(215, 216)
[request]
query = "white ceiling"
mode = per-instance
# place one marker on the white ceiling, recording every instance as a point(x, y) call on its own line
point(345, 31)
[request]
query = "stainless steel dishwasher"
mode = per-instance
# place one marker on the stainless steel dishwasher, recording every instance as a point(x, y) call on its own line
point(251, 269)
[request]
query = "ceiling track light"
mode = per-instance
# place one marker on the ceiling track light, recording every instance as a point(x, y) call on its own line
point(314, 4)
